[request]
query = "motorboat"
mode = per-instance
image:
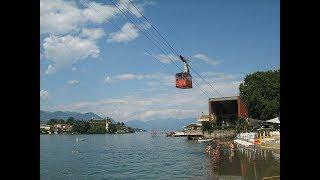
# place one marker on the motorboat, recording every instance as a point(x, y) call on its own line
point(203, 140)
point(79, 140)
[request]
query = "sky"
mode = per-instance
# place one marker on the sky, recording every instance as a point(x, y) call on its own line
point(93, 59)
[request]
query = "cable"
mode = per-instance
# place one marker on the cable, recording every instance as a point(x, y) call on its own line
point(206, 81)
point(155, 44)
point(144, 34)
point(170, 47)
point(88, 4)
point(171, 72)
point(174, 51)
point(85, 3)
point(142, 23)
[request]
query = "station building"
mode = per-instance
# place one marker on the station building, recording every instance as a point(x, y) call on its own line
point(227, 108)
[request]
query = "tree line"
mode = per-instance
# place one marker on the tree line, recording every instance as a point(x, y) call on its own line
point(97, 127)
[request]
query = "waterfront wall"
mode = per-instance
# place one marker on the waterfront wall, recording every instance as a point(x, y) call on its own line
point(220, 134)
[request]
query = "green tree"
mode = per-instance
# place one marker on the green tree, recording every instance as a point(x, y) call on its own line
point(81, 127)
point(97, 130)
point(70, 121)
point(207, 126)
point(52, 122)
point(112, 128)
point(261, 92)
point(131, 130)
point(56, 121)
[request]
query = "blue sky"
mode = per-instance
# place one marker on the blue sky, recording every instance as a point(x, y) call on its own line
point(92, 58)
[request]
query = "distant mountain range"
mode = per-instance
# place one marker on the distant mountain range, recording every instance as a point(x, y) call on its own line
point(161, 124)
point(45, 116)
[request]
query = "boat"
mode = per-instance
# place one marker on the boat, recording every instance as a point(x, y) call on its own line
point(203, 140)
point(79, 140)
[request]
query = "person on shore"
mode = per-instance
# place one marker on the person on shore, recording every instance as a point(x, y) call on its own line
point(231, 145)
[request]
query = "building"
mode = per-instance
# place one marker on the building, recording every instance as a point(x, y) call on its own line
point(108, 122)
point(227, 108)
point(62, 128)
point(203, 118)
point(44, 127)
point(193, 127)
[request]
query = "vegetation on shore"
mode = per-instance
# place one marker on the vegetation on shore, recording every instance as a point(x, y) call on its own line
point(261, 92)
point(91, 126)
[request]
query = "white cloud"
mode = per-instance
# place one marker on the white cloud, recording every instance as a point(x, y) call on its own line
point(50, 70)
point(206, 59)
point(168, 103)
point(166, 113)
point(95, 33)
point(73, 82)
point(44, 94)
point(165, 101)
point(144, 108)
point(166, 58)
point(58, 16)
point(67, 50)
point(127, 33)
point(126, 77)
point(66, 36)
point(99, 13)
point(107, 79)
point(125, 4)
point(129, 76)
point(62, 16)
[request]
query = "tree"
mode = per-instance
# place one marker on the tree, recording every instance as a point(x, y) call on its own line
point(112, 128)
point(131, 130)
point(81, 127)
point(207, 126)
point(261, 92)
point(55, 121)
point(51, 122)
point(97, 130)
point(70, 121)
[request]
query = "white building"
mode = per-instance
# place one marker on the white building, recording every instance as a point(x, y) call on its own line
point(44, 126)
point(107, 125)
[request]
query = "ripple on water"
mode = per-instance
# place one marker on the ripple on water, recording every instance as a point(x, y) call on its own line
point(136, 156)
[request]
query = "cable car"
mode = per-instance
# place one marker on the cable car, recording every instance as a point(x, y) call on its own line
point(184, 79)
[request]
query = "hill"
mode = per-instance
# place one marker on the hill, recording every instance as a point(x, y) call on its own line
point(45, 116)
point(161, 124)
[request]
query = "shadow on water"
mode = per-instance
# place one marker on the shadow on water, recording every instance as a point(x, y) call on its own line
point(243, 163)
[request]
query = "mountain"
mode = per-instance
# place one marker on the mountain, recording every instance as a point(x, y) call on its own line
point(45, 116)
point(161, 124)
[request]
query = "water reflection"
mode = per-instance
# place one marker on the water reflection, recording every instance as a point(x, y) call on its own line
point(230, 162)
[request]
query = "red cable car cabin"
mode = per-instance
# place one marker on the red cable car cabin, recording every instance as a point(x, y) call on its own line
point(184, 79)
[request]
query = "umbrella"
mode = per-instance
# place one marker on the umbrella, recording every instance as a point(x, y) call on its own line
point(274, 120)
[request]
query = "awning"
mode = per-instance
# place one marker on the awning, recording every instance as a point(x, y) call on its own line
point(254, 122)
point(274, 120)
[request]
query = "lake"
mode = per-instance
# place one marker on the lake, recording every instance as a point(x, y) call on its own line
point(142, 156)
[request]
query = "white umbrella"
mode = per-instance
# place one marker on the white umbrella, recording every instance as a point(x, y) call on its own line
point(274, 120)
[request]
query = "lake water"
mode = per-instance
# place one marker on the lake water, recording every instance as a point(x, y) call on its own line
point(141, 156)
